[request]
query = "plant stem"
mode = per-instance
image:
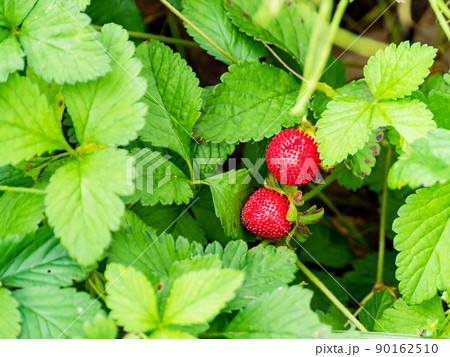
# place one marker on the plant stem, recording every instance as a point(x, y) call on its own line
point(175, 32)
point(318, 188)
point(330, 295)
point(200, 32)
point(382, 234)
point(22, 189)
point(151, 36)
point(446, 324)
point(361, 307)
point(361, 45)
point(437, 8)
point(319, 52)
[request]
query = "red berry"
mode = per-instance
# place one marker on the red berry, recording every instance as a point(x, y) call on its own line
point(292, 157)
point(264, 214)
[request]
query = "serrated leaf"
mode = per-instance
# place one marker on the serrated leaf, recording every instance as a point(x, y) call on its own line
point(20, 213)
point(397, 71)
point(288, 25)
point(347, 179)
point(37, 259)
point(414, 320)
point(409, 117)
point(156, 252)
point(374, 309)
point(363, 160)
point(9, 315)
point(439, 104)
point(122, 12)
point(49, 312)
point(173, 98)
point(166, 333)
point(229, 192)
point(345, 127)
point(423, 240)
point(283, 313)
point(131, 299)
point(59, 45)
point(28, 126)
point(426, 163)
point(198, 296)
point(100, 113)
point(231, 117)
point(12, 55)
point(83, 203)
point(100, 328)
point(12, 13)
point(82, 4)
point(206, 156)
point(211, 18)
point(159, 180)
point(266, 269)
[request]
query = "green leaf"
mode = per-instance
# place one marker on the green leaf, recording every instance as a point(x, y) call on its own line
point(439, 104)
point(159, 180)
point(37, 259)
point(327, 247)
point(100, 113)
point(418, 320)
point(211, 18)
point(362, 162)
point(100, 328)
point(156, 253)
point(229, 193)
point(173, 98)
point(49, 312)
point(186, 226)
point(231, 117)
point(288, 25)
point(282, 313)
point(409, 117)
point(122, 12)
point(82, 4)
point(266, 269)
point(166, 333)
point(347, 179)
point(20, 213)
point(82, 202)
point(28, 126)
point(131, 299)
point(204, 213)
point(207, 155)
point(12, 13)
point(12, 55)
point(397, 71)
point(345, 127)
point(423, 240)
point(60, 46)
point(11, 176)
point(198, 296)
point(374, 309)
point(9, 315)
point(426, 163)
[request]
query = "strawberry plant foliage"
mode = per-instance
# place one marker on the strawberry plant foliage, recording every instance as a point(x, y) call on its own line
point(131, 172)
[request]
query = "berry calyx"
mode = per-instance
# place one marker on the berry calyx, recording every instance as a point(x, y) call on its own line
point(264, 214)
point(292, 157)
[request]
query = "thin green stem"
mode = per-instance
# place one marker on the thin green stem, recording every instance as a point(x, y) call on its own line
point(151, 36)
point(437, 8)
point(446, 324)
point(200, 32)
point(22, 189)
point(330, 295)
point(175, 32)
point(361, 45)
point(383, 214)
point(361, 306)
point(318, 188)
point(318, 51)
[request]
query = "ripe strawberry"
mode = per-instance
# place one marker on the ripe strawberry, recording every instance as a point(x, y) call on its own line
point(264, 214)
point(292, 157)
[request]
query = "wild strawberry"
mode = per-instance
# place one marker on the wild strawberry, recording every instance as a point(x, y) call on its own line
point(292, 157)
point(264, 214)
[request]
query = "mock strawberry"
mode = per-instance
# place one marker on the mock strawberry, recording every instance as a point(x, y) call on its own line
point(292, 157)
point(264, 214)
